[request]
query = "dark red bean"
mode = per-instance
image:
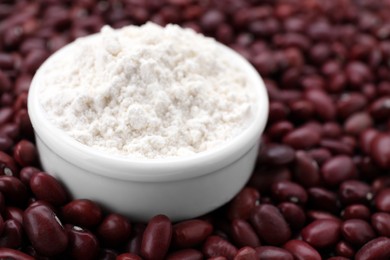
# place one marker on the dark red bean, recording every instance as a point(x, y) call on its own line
point(320, 155)
point(243, 203)
point(382, 200)
point(26, 173)
point(217, 246)
point(130, 256)
point(243, 234)
point(185, 254)
point(44, 230)
point(12, 234)
point(263, 178)
point(337, 147)
point(7, 165)
point(365, 139)
point(25, 153)
point(380, 221)
point(318, 215)
point(107, 254)
point(293, 214)
point(273, 253)
point(380, 150)
point(245, 253)
point(380, 108)
point(289, 191)
point(190, 233)
point(322, 233)
point(357, 231)
point(302, 250)
point(376, 249)
point(354, 191)
point(114, 230)
point(306, 170)
point(82, 212)
point(344, 249)
point(14, 191)
point(13, 213)
point(8, 253)
point(380, 183)
point(323, 199)
point(47, 188)
point(323, 105)
point(82, 243)
point(270, 224)
point(338, 258)
point(357, 123)
point(156, 238)
point(350, 103)
point(356, 211)
point(276, 154)
point(280, 129)
point(302, 138)
point(337, 170)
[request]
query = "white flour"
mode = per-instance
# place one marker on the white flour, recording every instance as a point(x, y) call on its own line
point(146, 92)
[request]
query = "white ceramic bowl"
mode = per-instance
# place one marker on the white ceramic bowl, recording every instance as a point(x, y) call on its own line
point(179, 188)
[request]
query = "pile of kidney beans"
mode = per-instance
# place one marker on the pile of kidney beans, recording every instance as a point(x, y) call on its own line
point(321, 188)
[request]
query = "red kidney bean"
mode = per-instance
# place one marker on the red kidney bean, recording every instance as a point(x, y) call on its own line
point(6, 143)
point(337, 170)
point(380, 150)
point(246, 253)
point(356, 211)
point(8, 253)
point(12, 234)
point(354, 191)
point(301, 110)
point(280, 129)
point(277, 111)
point(185, 254)
point(156, 238)
point(302, 138)
point(44, 230)
point(365, 139)
point(82, 243)
point(380, 183)
point(332, 130)
point(270, 225)
point(323, 199)
point(13, 190)
point(107, 254)
point(318, 215)
point(306, 170)
point(263, 178)
point(289, 191)
point(26, 173)
point(7, 165)
point(382, 200)
point(243, 203)
point(344, 249)
point(357, 231)
point(276, 154)
point(243, 234)
point(115, 229)
point(357, 123)
point(82, 212)
point(338, 258)
point(190, 233)
point(217, 246)
point(380, 221)
point(379, 109)
point(217, 258)
point(320, 155)
point(350, 103)
point(13, 213)
point(130, 256)
point(375, 249)
point(337, 147)
point(47, 188)
point(322, 233)
point(25, 153)
point(273, 253)
point(293, 214)
point(134, 244)
point(323, 105)
point(302, 250)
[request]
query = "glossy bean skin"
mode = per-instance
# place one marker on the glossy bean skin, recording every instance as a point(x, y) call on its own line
point(190, 233)
point(289, 191)
point(357, 231)
point(8, 253)
point(273, 253)
point(47, 188)
point(217, 246)
point(25, 153)
point(7, 165)
point(356, 211)
point(26, 173)
point(293, 214)
point(376, 249)
point(13, 190)
point(322, 233)
point(44, 230)
point(243, 234)
point(382, 200)
point(82, 244)
point(380, 150)
point(354, 191)
point(82, 212)
point(302, 250)
point(185, 254)
point(243, 203)
point(337, 170)
point(128, 256)
point(380, 221)
point(270, 224)
point(276, 154)
point(12, 234)
point(345, 249)
point(115, 229)
point(156, 238)
point(306, 170)
point(245, 253)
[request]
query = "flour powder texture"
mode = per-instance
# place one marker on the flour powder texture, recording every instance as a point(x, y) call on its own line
point(146, 92)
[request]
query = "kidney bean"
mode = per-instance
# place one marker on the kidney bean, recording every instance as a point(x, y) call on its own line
point(276, 154)
point(356, 211)
point(380, 150)
point(156, 238)
point(323, 199)
point(289, 191)
point(320, 155)
point(190, 233)
point(243, 203)
point(322, 233)
point(82, 212)
point(382, 200)
point(12, 234)
point(270, 225)
point(25, 153)
point(273, 253)
point(354, 191)
point(13, 190)
point(302, 138)
point(13, 213)
point(47, 188)
point(337, 147)
point(7, 165)
point(115, 229)
point(318, 215)
point(130, 256)
point(302, 250)
point(293, 214)
point(243, 234)
point(134, 244)
point(277, 111)
point(380, 221)
point(263, 178)
point(217, 246)
point(344, 249)
point(280, 129)
point(350, 103)
point(377, 248)
point(365, 139)
point(379, 109)
point(26, 173)
point(306, 170)
point(8, 253)
point(217, 258)
point(337, 170)
point(323, 105)
point(44, 230)
point(338, 258)
point(380, 183)
point(82, 243)
point(246, 253)
point(107, 254)
point(185, 254)
point(357, 231)
point(357, 123)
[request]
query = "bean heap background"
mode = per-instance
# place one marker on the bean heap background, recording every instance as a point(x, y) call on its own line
point(322, 184)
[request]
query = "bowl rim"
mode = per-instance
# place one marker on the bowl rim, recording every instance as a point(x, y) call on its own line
point(167, 169)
